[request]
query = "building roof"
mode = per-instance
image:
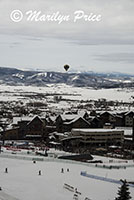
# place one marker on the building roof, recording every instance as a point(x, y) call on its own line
point(95, 130)
point(127, 130)
point(72, 138)
point(36, 117)
point(70, 117)
point(34, 136)
point(52, 118)
point(18, 119)
point(129, 113)
point(76, 119)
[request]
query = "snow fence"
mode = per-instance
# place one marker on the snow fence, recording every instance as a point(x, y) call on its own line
point(103, 178)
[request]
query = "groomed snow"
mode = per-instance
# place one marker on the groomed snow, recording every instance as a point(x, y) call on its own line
point(23, 182)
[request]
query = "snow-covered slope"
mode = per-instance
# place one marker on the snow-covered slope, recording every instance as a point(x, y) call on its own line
point(24, 182)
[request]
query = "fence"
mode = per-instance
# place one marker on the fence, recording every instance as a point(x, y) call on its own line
point(114, 166)
point(53, 159)
point(45, 159)
point(102, 178)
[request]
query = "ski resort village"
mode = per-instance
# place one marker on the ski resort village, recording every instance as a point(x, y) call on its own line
point(66, 100)
point(65, 142)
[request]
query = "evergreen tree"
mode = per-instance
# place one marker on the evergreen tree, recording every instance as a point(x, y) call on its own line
point(123, 192)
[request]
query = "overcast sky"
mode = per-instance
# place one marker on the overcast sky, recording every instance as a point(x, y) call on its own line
point(105, 45)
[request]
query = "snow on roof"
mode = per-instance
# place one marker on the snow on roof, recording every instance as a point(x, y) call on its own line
point(70, 117)
point(74, 120)
point(110, 113)
point(96, 130)
point(34, 118)
point(114, 146)
point(71, 138)
point(52, 118)
point(55, 143)
point(18, 119)
point(130, 112)
point(59, 134)
point(33, 136)
point(81, 112)
point(127, 130)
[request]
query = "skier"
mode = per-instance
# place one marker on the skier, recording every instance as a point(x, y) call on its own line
point(39, 172)
point(6, 170)
point(62, 170)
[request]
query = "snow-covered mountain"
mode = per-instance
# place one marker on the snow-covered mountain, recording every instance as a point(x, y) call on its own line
point(12, 76)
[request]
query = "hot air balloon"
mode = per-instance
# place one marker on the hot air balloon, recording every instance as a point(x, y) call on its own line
point(66, 67)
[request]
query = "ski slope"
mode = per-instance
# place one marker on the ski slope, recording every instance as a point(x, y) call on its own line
point(23, 182)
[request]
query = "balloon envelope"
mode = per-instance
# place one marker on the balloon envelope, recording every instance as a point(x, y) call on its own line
point(66, 67)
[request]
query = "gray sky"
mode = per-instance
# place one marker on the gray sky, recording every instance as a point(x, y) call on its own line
point(107, 45)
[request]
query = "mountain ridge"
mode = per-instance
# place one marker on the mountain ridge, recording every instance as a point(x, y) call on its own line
point(14, 76)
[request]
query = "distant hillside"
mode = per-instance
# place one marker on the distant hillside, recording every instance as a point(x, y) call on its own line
point(12, 76)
